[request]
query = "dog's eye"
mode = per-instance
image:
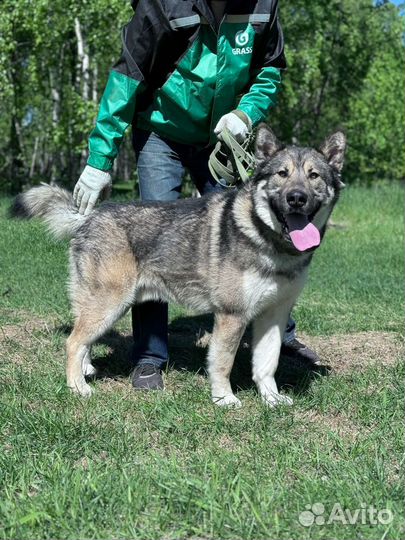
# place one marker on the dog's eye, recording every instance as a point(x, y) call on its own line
point(313, 175)
point(283, 174)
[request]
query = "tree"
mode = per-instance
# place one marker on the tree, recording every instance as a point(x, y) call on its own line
point(333, 49)
point(346, 65)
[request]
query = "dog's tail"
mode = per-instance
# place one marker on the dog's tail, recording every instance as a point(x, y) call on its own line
point(54, 205)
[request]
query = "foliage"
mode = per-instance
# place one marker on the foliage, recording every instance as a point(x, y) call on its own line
point(376, 122)
point(346, 60)
point(43, 82)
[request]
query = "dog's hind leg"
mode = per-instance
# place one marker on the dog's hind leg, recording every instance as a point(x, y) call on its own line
point(100, 296)
point(76, 350)
point(88, 368)
point(227, 333)
point(91, 324)
point(268, 331)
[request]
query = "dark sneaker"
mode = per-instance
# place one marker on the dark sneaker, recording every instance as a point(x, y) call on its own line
point(298, 351)
point(147, 377)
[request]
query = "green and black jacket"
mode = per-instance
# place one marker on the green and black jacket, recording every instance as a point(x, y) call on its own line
point(179, 72)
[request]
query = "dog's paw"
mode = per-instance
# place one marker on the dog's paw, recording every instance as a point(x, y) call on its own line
point(227, 401)
point(83, 390)
point(272, 399)
point(89, 370)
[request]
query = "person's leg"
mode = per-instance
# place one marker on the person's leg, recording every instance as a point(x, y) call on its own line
point(197, 164)
point(293, 349)
point(160, 174)
point(289, 334)
point(159, 166)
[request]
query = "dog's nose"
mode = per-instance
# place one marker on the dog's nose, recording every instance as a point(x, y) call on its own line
point(296, 198)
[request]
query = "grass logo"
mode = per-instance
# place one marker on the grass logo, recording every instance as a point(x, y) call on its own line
point(315, 515)
point(241, 40)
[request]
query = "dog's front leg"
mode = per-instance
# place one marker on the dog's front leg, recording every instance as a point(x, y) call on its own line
point(227, 333)
point(268, 331)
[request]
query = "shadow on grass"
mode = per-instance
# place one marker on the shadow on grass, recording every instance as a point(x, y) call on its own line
point(188, 337)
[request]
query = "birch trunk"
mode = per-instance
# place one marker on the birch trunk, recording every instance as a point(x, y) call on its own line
point(34, 158)
point(56, 108)
point(94, 95)
point(83, 74)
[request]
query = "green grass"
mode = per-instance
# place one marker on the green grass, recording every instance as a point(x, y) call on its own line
point(356, 280)
point(171, 465)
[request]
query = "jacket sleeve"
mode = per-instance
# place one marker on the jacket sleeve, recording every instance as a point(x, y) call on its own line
point(266, 82)
point(127, 80)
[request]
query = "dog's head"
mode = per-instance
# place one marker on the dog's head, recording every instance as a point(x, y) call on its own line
point(295, 188)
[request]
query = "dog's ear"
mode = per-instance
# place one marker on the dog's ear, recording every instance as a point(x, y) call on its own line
point(267, 143)
point(333, 148)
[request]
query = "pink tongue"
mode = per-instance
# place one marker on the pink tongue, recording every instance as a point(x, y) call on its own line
point(306, 238)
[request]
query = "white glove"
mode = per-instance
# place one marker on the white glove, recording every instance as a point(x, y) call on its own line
point(88, 188)
point(239, 129)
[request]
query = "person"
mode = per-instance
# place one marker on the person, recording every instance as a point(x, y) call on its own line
point(187, 70)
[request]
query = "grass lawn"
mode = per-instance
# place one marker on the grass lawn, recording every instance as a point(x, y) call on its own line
point(170, 465)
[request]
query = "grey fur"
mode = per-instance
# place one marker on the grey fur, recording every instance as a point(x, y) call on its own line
point(227, 253)
point(54, 205)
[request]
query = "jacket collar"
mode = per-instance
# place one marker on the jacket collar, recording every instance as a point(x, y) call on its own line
point(237, 7)
point(204, 9)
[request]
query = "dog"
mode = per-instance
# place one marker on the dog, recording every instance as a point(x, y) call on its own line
point(240, 254)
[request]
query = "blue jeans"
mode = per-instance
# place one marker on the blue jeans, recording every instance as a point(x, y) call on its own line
point(161, 165)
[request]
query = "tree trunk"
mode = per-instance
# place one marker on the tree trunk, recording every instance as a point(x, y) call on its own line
point(83, 61)
point(83, 74)
point(34, 158)
point(56, 108)
point(94, 96)
point(17, 173)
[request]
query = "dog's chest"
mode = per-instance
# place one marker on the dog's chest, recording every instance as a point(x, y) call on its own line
point(265, 291)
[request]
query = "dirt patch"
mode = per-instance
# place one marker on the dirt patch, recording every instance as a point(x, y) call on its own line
point(342, 352)
point(23, 326)
point(19, 340)
point(24, 331)
point(347, 351)
point(115, 384)
point(338, 423)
